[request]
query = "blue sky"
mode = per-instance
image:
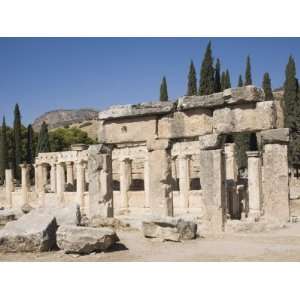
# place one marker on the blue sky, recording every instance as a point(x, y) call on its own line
point(44, 74)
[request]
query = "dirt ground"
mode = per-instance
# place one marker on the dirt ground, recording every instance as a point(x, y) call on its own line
point(280, 245)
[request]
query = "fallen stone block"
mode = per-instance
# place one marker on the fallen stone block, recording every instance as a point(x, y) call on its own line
point(170, 230)
point(31, 233)
point(85, 240)
point(6, 216)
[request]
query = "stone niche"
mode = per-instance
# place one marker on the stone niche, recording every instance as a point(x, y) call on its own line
point(246, 117)
point(135, 129)
point(188, 123)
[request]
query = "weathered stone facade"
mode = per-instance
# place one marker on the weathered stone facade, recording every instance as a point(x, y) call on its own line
point(171, 159)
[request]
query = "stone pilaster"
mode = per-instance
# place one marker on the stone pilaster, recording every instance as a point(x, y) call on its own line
point(254, 183)
point(100, 181)
point(125, 180)
point(184, 179)
point(160, 177)
point(9, 187)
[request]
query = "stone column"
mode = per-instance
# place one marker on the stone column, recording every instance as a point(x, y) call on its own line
point(53, 177)
point(70, 177)
point(60, 181)
point(146, 182)
point(44, 175)
point(100, 181)
point(184, 179)
point(125, 180)
point(212, 178)
point(230, 161)
point(25, 181)
point(39, 183)
point(80, 175)
point(254, 183)
point(9, 187)
point(160, 177)
point(275, 175)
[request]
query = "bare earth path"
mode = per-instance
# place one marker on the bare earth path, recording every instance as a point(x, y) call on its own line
point(279, 245)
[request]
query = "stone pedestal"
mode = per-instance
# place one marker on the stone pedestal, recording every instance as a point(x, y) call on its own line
point(53, 178)
point(184, 180)
point(25, 181)
point(125, 181)
point(160, 178)
point(275, 182)
point(70, 176)
point(9, 187)
point(212, 177)
point(60, 181)
point(254, 183)
point(100, 181)
point(80, 175)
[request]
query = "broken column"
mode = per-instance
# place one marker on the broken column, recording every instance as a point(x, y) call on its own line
point(100, 181)
point(184, 179)
point(70, 176)
point(212, 177)
point(254, 184)
point(125, 181)
point(60, 181)
point(275, 174)
point(160, 177)
point(25, 181)
point(80, 175)
point(9, 187)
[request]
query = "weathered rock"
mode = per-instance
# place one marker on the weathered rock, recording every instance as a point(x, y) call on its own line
point(31, 233)
point(210, 141)
point(26, 208)
point(275, 136)
point(99, 221)
point(85, 240)
point(243, 94)
point(207, 101)
point(6, 216)
point(170, 230)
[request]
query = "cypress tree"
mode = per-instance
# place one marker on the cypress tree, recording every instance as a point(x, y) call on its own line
point(192, 81)
point(164, 90)
point(43, 144)
point(29, 145)
point(3, 152)
point(227, 80)
point(17, 141)
point(206, 85)
point(223, 81)
point(248, 77)
point(267, 87)
point(217, 84)
point(240, 81)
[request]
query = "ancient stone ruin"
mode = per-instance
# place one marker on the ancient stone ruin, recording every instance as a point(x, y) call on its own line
point(170, 159)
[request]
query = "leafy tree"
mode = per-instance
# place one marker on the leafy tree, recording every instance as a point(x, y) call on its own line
point(62, 138)
point(267, 87)
point(206, 85)
point(164, 90)
point(217, 78)
point(43, 144)
point(3, 152)
point(248, 76)
point(17, 141)
point(192, 81)
point(240, 81)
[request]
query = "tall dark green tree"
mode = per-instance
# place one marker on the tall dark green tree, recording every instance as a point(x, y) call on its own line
point(192, 81)
point(17, 142)
point(266, 84)
point(227, 80)
point(223, 81)
point(3, 152)
point(248, 76)
point(240, 81)
point(29, 145)
point(164, 90)
point(206, 84)
point(292, 111)
point(217, 78)
point(43, 144)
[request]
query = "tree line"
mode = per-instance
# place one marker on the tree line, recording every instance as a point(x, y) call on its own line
point(20, 144)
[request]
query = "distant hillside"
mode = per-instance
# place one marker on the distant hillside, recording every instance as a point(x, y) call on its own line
point(64, 117)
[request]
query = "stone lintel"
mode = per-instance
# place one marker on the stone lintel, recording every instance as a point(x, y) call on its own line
point(158, 144)
point(275, 136)
point(210, 141)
